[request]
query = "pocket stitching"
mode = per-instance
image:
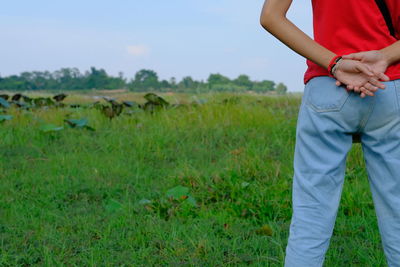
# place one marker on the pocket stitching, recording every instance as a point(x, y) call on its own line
point(325, 108)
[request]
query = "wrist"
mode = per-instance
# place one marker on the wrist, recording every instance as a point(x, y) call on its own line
point(387, 56)
point(333, 64)
point(336, 67)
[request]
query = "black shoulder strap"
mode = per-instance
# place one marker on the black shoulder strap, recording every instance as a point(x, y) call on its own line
point(386, 14)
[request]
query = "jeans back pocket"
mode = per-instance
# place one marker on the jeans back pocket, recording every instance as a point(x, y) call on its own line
point(323, 95)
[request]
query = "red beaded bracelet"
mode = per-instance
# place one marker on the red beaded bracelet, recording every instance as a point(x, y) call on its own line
point(332, 64)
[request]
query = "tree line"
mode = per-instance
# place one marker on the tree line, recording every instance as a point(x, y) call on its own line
point(144, 81)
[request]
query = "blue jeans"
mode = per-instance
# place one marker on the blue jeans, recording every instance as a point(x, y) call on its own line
point(327, 118)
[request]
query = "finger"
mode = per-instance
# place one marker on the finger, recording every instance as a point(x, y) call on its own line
point(357, 89)
point(338, 83)
point(365, 92)
point(350, 87)
point(376, 83)
point(383, 77)
point(370, 87)
point(364, 69)
point(354, 56)
point(349, 56)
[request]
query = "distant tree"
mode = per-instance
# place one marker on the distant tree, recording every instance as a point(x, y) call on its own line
point(243, 80)
point(96, 79)
point(27, 78)
point(146, 80)
point(172, 82)
point(187, 83)
point(117, 82)
point(40, 80)
point(281, 89)
point(14, 82)
point(165, 84)
point(264, 86)
point(69, 79)
point(217, 79)
point(201, 84)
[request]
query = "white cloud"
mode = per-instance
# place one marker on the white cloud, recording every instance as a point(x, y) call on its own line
point(138, 50)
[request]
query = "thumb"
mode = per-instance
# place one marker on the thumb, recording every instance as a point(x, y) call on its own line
point(354, 56)
point(364, 69)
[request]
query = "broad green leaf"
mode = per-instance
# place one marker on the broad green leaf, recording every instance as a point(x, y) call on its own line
point(179, 192)
point(155, 99)
point(245, 184)
point(130, 104)
point(79, 123)
point(5, 117)
point(51, 128)
point(59, 97)
point(43, 101)
point(112, 205)
point(16, 97)
point(112, 111)
point(191, 201)
point(27, 99)
point(145, 202)
point(4, 103)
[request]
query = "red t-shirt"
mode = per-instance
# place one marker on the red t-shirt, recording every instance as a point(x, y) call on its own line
point(350, 26)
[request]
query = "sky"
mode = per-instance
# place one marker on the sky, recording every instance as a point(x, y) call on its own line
point(175, 38)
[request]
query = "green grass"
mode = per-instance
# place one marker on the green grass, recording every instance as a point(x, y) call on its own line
point(82, 198)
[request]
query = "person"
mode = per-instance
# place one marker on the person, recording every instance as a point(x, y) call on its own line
point(352, 86)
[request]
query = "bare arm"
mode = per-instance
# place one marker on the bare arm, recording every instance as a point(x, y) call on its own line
point(392, 53)
point(273, 19)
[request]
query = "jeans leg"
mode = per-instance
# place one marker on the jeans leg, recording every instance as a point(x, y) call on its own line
point(321, 149)
point(381, 147)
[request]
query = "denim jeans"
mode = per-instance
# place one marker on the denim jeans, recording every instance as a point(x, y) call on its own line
point(327, 118)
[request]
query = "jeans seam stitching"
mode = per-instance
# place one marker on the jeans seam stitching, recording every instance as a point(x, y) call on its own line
point(364, 122)
point(397, 95)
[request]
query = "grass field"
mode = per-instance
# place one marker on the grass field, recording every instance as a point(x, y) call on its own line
point(204, 185)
